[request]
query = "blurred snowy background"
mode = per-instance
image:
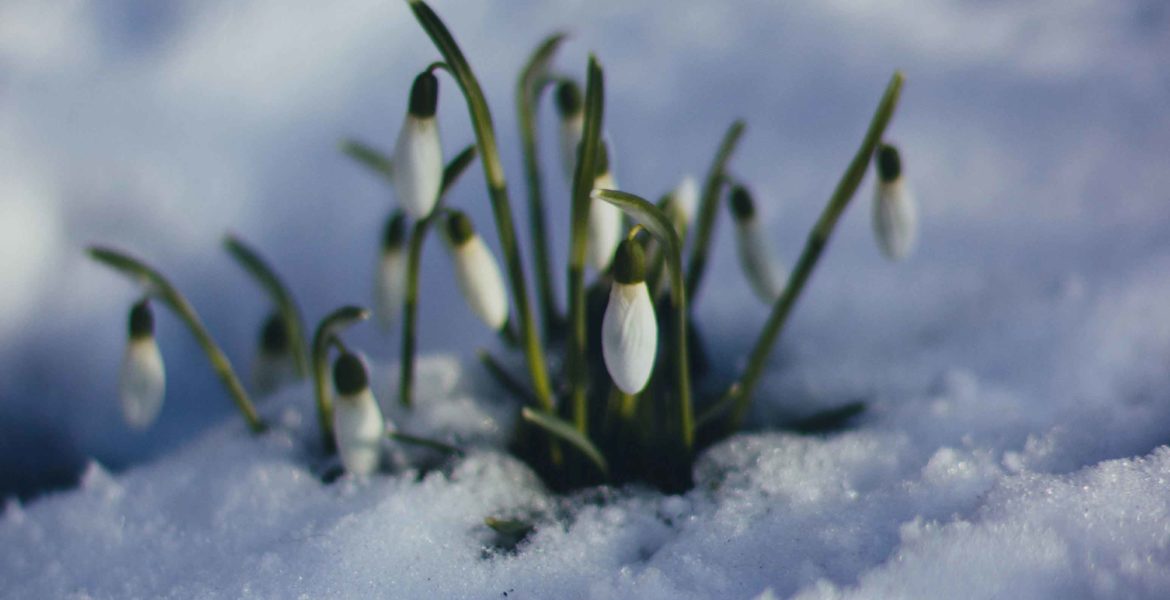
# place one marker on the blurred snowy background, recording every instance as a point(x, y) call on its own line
point(1036, 134)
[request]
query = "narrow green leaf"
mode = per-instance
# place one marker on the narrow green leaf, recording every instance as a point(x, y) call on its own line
point(708, 208)
point(739, 394)
point(485, 135)
point(559, 428)
point(657, 223)
point(415, 440)
point(368, 156)
point(280, 296)
point(532, 83)
point(156, 285)
point(504, 378)
point(327, 331)
point(583, 178)
point(455, 168)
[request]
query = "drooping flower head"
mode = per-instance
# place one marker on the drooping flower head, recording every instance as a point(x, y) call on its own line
point(571, 109)
point(273, 366)
point(895, 212)
point(358, 426)
point(417, 165)
point(759, 262)
point(390, 276)
point(142, 383)
point(629, 330)
point(605, 219)
point(476, 271)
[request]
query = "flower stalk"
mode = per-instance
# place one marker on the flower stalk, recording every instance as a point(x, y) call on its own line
point(326, 335)
point(708, 207)
point(279, 294)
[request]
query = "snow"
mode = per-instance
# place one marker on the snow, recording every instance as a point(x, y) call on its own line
point(1017, 367)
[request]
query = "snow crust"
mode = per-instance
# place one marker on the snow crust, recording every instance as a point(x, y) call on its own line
point(1016, 368)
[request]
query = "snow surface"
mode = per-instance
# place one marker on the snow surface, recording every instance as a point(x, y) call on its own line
point(1017, 367)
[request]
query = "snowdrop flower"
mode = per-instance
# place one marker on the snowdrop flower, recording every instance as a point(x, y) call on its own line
point(764, 272)
point(357, 420)
point(418, 158)
point(390, 277)
point(274, 365)
point(629, 330)
point(605, 219)
point(572, 111)
point(143, 380)
point(477, 272)
point(895, 214)
point(682, 204)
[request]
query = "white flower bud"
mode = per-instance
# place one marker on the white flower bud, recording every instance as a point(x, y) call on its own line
point(477, 272)
point(605, 219)
point(629, 330)
point(895, 213)
point(756, 256)
point(685, 199)
point(273, 366)
point(572, 112)
point(417, 165)
point(390, 276)
point(358, 426)
point(142, 384)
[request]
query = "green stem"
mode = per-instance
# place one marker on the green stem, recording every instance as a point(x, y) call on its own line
point(497, 188)
point(159, 287)
point(533, 81)
point(583, 178)
point(325, 336)
point(708, 208)
point(739, 394)
point(290, 313)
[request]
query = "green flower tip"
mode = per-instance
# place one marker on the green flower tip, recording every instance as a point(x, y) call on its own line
point(141, 320)
point(394, 235)
point(424, 95)
point(274, 336)
point(349, 374)
point(629, 263)
point(569, 102)
point(459, 228)
point(889, 163)
point(742, 205)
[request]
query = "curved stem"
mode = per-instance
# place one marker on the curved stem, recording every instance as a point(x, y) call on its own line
point(532, 83)
point(159, 287)
point(708, 206)
point(497, 188)
point(739, 394)
point(280, 295)
point(325, 336)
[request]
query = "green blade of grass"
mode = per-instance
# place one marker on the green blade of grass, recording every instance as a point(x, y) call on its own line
point(559, 428)
point(739, 394)
point(415, 440)
point(532, 83)
point(369, 156)
point(708, 208)
point(657, 223)
point(326, 334)
point(280, 296)
point(485, 135)
point(158, 286)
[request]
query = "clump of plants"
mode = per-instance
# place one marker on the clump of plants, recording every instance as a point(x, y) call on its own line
point(608, 390)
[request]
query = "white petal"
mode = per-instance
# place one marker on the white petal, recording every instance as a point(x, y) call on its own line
point(895, 219)
point(571, 131)
point(418, 166)
point(686, 197)
point(480, 281)
point(270, 372)
point(763, 270)
point(358, 428)
point(143, 383)
point(605, 227)
point(629, 336)
point(390, 287)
